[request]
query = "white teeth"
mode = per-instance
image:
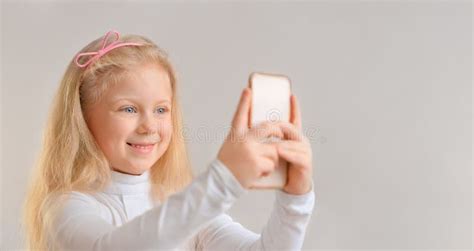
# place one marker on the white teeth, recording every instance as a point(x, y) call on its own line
point(141, 147)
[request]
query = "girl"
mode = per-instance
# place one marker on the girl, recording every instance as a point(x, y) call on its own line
point(114, 174)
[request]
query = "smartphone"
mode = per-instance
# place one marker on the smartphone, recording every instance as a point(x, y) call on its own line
point(270, 102)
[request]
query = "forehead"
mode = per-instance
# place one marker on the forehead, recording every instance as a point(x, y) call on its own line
point(146, 82)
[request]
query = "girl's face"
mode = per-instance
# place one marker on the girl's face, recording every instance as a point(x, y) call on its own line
point(132, 121)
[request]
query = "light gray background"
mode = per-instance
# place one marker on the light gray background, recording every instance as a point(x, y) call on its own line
point(385, 89)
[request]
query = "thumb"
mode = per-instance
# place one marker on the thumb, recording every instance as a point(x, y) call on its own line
point(240, 122)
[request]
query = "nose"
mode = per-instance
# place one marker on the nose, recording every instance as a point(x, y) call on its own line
point(148, 124)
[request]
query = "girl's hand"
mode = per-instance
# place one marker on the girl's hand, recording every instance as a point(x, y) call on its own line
point(296, 150)
point(244, 151)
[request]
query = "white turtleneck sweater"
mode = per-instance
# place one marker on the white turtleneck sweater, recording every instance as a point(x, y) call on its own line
point(123, 217)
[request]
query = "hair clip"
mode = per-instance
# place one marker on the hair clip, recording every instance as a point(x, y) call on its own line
point(105, 48)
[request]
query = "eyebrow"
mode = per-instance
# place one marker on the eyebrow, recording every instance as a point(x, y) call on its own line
point(161, 101)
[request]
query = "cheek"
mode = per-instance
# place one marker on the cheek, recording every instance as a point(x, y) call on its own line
point(166, 132)
point(117, 131)
point(109, 132)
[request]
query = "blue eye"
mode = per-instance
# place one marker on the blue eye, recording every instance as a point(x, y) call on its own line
point(162, 110)
point(129, 109)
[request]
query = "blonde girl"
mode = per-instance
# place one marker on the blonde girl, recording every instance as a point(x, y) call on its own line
point(113, 173)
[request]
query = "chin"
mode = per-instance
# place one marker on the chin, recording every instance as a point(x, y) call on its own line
point(135, 168)
point(142, 169)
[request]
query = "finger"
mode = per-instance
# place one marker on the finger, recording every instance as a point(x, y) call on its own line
point(295, 112)
point(293, 157)
point(290, 131)
point(264, 130)
point(296, 146)
point(241, 116)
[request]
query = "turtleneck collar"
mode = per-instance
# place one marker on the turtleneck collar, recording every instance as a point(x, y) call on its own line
point(127, 184)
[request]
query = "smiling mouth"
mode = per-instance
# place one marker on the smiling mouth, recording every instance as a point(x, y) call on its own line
point(142, 148)
point(140, 145)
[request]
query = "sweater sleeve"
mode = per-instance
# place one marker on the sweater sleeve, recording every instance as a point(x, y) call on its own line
point(79, 226)
point(285, 229)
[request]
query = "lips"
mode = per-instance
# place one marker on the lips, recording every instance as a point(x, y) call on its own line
point(142, 147)
point(140, 144)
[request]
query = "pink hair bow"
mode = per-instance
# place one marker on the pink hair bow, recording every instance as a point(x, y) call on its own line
point(105, 48)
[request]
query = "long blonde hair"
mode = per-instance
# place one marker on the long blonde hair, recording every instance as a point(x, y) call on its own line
point(70, 159)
